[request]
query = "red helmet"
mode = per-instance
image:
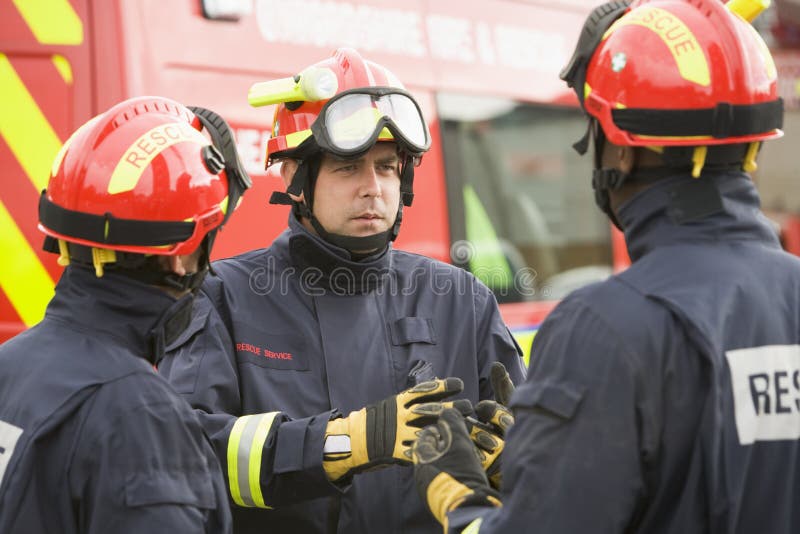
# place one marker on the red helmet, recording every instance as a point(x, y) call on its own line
point(139, 178)
point(677, 73)
point(342, 105)
point(346, 103)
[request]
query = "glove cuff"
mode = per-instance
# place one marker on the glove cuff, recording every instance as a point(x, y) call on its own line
point(445, 494)
point(481, 497)
point(341, 463)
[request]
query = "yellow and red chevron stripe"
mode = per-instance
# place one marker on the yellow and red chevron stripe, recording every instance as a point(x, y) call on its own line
point(52, 21)
point(36, 103)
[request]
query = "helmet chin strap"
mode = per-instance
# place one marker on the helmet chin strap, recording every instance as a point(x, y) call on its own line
point(304, 180)
point(606, 179)
point(368, 243)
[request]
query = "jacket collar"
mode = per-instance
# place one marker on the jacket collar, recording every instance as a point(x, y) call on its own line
point(329, 267)
point(679, 209)
point(142, 317)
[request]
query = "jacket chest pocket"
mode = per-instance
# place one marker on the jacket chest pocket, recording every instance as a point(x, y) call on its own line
point(416, 355)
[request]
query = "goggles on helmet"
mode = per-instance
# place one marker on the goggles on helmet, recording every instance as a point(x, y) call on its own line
point(351, 122)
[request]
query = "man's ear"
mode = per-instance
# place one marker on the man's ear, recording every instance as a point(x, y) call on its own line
point(288, 168)
point(627, 158)
point(186, 264)
point(176, 265)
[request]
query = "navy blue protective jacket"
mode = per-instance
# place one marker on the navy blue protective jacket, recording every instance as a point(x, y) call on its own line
point(92, 439)
point(667, 398)
point(296, 332)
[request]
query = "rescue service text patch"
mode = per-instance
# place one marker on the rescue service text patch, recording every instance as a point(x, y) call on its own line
point(766, 392)
point(267, 349)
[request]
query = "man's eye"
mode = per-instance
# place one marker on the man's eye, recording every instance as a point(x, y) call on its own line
point(346, 168)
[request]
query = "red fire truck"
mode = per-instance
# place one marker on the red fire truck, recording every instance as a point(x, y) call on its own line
point(500, 192)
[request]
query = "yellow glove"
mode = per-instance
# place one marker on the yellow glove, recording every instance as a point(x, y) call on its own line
point(488, 434)
point(382, 433)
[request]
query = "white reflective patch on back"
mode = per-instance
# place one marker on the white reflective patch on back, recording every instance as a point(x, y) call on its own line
point(766, 392)
point(9, 434)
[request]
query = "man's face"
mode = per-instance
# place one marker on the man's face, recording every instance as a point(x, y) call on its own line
point(359, 197)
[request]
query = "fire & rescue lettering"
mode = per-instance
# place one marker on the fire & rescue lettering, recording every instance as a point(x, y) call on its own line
point(139, 155)
point(766, 392)
point(777, 392)
point(680, 40)
point(9, 435)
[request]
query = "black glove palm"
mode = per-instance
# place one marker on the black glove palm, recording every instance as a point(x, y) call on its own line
point(382, 433)
point(447, 469)
point(488, 432)
point(502, 385)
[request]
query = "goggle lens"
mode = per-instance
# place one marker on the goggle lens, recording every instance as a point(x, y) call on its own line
point(354, 120)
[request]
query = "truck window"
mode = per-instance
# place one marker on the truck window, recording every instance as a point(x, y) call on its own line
point(522, 211)
point(776, 178)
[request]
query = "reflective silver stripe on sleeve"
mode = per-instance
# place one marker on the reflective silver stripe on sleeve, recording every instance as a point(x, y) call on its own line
point(245, 447)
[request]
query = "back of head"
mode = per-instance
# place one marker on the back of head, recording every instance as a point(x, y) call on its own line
point(134, 183)
point(689, 79)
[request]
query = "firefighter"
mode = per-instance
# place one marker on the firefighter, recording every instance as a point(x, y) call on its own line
point(92, 439)
point(664, 399)
point(326, 351)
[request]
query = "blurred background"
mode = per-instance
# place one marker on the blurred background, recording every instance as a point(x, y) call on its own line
point(501, 192)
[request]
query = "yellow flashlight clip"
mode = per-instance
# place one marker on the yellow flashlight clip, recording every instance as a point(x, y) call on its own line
point(747, 9)
point(311, 85)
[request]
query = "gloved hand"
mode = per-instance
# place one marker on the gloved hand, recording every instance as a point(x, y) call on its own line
point(488, 433)
point(382, 433)
point(502, 385)
point(447, 469)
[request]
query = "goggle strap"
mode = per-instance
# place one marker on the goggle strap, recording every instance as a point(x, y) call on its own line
point(396, 226)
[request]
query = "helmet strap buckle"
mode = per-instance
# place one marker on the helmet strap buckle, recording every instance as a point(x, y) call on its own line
point(101, 256)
